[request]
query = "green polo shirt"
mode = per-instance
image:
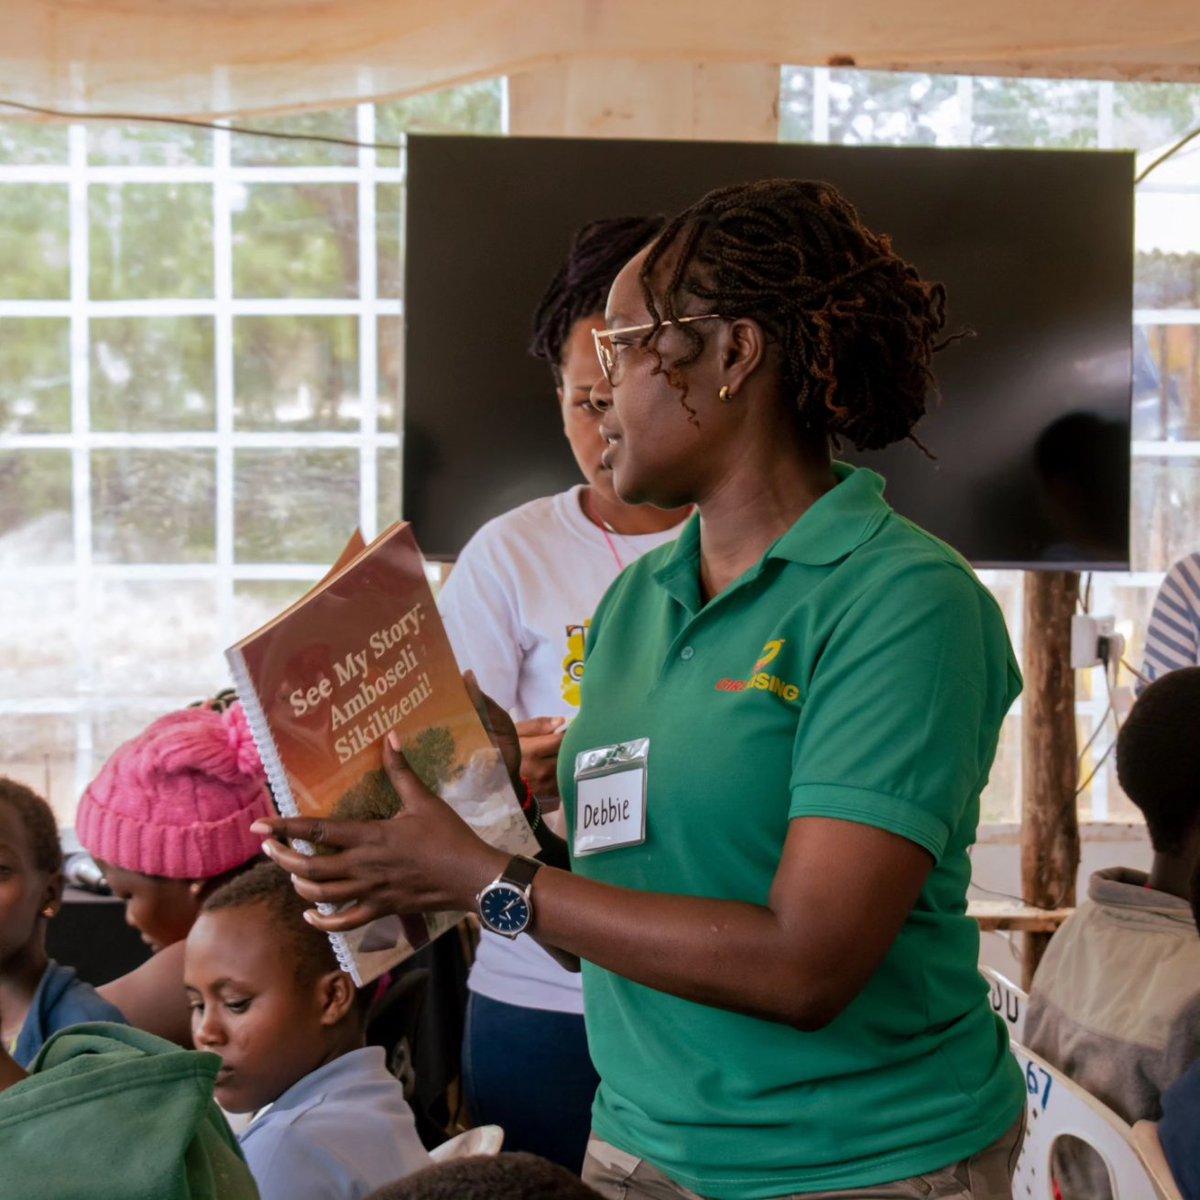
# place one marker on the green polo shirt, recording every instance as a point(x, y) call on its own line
point(859, 671)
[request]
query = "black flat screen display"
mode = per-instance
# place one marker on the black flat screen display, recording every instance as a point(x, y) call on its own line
point(1031, 430)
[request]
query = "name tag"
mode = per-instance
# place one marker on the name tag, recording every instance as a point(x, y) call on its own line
point(610, 796)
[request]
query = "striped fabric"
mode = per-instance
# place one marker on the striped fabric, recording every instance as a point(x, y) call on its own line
point(1173, 638)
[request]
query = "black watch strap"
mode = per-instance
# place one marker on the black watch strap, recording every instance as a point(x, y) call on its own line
point(520, 870)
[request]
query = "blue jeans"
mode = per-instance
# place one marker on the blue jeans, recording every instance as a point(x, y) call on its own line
point(528, 1070)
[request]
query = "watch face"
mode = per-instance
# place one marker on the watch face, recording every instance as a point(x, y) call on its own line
point(504, 909)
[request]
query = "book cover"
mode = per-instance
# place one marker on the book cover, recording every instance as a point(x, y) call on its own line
point(363, 653)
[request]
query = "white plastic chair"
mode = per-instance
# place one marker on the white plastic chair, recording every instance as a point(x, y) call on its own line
point(1145, 1139)
point(1008, 1001)
point(483, 1139)
point(1056, 1107)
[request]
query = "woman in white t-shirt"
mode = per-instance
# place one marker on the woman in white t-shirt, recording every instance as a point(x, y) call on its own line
point(517, 606)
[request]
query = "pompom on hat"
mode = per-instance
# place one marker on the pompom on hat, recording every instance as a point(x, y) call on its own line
point(178, 800)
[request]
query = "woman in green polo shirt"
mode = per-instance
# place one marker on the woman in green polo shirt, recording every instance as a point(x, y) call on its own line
point(788, 717)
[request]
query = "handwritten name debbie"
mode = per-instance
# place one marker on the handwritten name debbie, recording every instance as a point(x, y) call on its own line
point(391, 643)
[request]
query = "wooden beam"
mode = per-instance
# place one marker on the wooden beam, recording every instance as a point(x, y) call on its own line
point(1049, 762)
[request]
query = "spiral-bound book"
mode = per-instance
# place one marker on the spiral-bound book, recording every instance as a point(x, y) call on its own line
point(322, 684)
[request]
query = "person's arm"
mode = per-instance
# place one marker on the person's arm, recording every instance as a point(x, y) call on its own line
point(895, 736)
point(1171, 636)
point(151, 997)
point(798, 959)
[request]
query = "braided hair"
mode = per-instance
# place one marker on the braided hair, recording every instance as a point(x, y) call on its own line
point(855, 325)
point(580, 287)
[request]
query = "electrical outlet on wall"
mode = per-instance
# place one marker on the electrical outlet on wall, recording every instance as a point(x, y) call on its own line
point(1086, 633)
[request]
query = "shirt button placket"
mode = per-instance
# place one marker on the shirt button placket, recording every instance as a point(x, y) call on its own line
point(686, 653)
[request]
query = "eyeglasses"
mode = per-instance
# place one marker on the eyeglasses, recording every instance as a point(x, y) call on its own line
point(603, 338)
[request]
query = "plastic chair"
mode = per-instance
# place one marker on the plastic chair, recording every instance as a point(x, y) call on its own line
point(1056, 1107)
point(483, 1139)
point(1145, 1140)
point(1008, 1001)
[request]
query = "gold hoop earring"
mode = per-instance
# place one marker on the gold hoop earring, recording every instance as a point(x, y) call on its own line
point(724, 394)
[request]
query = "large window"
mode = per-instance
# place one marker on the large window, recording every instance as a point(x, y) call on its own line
point(861, 108)
point(199, 401)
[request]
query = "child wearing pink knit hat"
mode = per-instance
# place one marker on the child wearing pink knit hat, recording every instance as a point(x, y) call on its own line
point(168, 818)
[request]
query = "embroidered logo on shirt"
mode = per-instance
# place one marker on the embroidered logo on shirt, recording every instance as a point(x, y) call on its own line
point(763, 681)
point(573, 663)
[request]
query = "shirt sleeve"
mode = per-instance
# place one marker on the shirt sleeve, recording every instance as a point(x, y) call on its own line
point(1171, 637)
point(902, 714)
point(482, 623)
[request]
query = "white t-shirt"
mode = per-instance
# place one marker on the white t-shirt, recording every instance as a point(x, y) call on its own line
point(517, 606)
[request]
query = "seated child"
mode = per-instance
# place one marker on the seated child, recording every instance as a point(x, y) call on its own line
point(1177, 1131)
point(168, 820)
point(267, 996)
point(1115, 1002)
point(37, 996)
point(517, 1176)
point(110, 1113)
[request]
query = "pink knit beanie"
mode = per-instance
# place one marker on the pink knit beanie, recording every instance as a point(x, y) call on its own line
point(178, 799)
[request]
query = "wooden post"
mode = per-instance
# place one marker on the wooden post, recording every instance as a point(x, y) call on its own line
point(1049, 761)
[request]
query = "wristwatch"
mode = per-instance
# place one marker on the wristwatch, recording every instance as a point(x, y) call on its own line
point(505, 906)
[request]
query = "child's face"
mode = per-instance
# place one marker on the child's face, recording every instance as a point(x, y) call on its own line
point(24, 889)
point(161, 910)
point(249, 1005)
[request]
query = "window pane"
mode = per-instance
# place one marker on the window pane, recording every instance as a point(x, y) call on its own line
point(1166, 383)
point(159, 637)
point(34, 242)
point(387, 469)
point(152, 373)
point(35, 517)
point(296, 373)
point(1163, 280)
point(149, 144)
point(39, 751)
point(1167, 222)
point(150, 240)
point(389, 244)
point(294, 505)
point(32, 143)
point(153, 505)
point(35, 375)
point(1165, 516)
point(472, 108)
point(893, 107)
point(39, 648)
point(295, 239)
point(248, 151)
point(1149, 116)
point(796, 105)
point(391, 363)
point(257, 601)
point(1035, 112)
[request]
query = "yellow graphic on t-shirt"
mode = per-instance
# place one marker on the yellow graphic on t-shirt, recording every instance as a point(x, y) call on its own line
point(573, 663)
point(769, 653)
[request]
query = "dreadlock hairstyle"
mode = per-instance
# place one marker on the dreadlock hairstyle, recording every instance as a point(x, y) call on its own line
point(598, 252)
point(37, 818)
point(855, 325)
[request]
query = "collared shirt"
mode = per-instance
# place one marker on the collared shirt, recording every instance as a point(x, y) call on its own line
point(858, 671)
point(339, 1133)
